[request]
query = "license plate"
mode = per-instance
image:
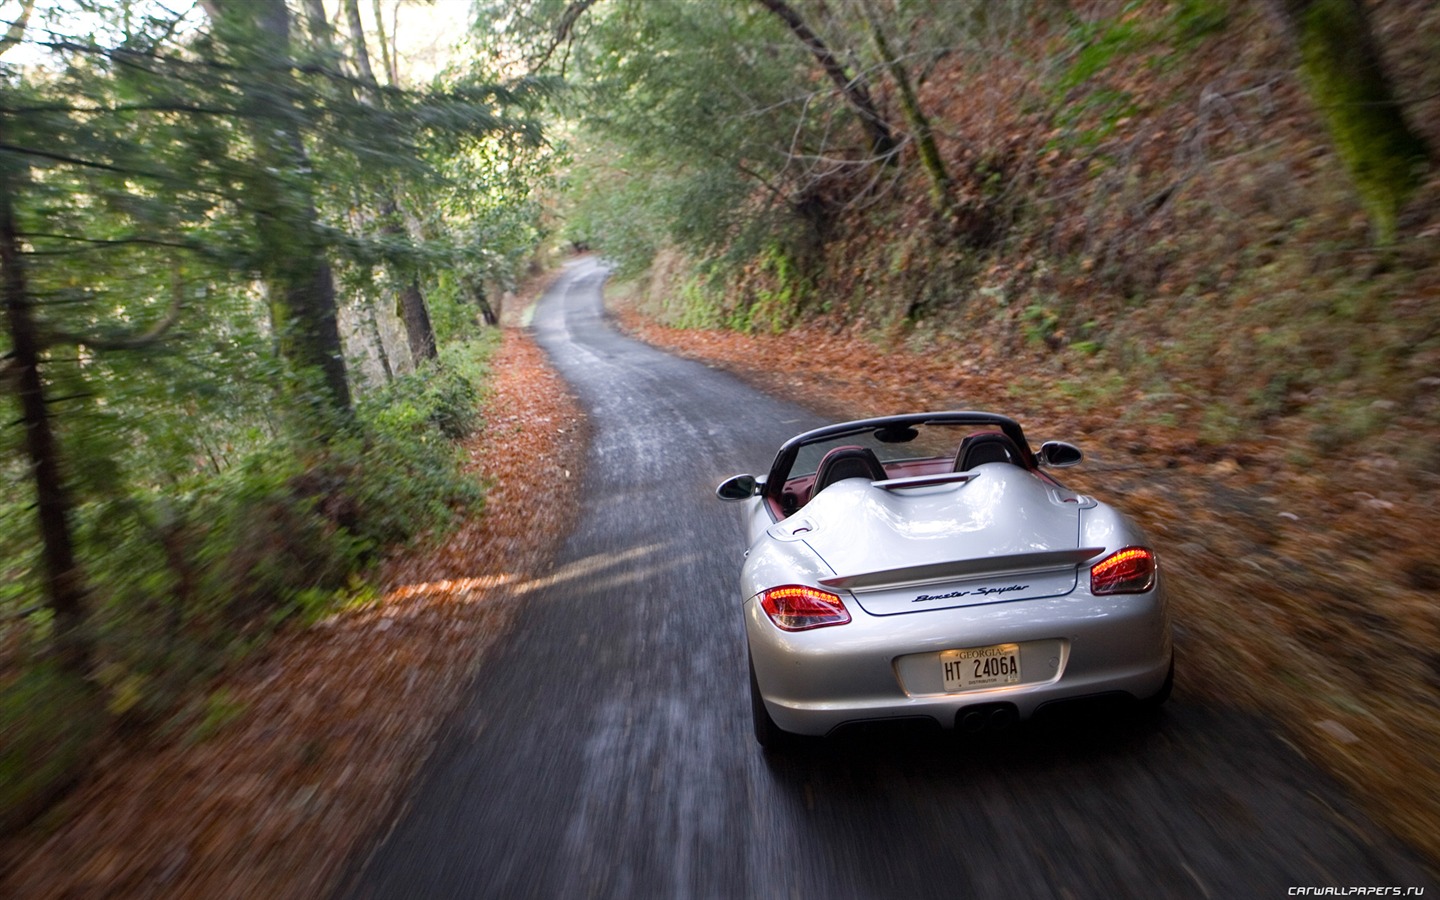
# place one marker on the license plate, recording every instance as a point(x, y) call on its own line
point(980, 666)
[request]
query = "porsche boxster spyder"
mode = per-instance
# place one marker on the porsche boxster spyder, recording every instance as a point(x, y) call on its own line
point(928, 566)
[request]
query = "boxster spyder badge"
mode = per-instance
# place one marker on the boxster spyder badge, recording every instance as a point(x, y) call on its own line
point(928, 566)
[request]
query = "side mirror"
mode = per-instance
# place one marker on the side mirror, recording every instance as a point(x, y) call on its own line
point(1060, 455)
point(738, 487)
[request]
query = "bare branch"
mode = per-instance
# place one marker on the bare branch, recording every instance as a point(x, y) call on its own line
point(855, 89)
point(103, 243)
point(563, 28)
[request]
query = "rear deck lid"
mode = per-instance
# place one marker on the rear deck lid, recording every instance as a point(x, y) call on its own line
point(1002, 535)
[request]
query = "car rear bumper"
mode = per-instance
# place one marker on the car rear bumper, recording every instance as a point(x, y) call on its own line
point(883, 667)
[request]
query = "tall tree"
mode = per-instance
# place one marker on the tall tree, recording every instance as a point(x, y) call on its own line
point(150, 177)
point(410, 298)
point(942, 195)
point(718, 122)
point(323, 38)
point(64, 585)
point(256, 35)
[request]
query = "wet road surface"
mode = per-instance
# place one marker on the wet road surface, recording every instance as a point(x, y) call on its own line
point(605, 750)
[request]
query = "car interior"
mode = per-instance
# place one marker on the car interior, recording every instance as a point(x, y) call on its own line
point(856, 461)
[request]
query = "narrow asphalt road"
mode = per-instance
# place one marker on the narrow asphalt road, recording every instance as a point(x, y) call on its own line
point(605, 750)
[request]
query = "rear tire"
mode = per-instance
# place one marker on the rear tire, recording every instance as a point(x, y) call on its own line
point(1157, 700)
point(767, 734)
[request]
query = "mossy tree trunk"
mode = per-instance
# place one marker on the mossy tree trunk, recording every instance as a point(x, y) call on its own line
point(968, 222)
point(1341, 64)
point(928, 151)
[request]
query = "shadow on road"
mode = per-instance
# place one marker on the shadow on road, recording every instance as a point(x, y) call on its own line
point(1082, 729)
point(1067, 788)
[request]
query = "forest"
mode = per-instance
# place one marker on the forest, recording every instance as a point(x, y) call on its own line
point(256, 256)
point(248, 269)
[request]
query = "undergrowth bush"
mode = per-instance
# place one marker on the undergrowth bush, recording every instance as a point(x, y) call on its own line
point(48, 723)
point(188, 577)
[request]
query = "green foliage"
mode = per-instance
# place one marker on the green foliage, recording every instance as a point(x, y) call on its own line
point(779, 294)
point(1194, 20)
point(613, 214)
point(1087, 109)
point(1344, 422)
point(1040, 323)
point(221, 708)
point(435, 398)
point(183, 188)
point(689, 109)
point(1100, 42)
point(693, 302)
point(190, 574)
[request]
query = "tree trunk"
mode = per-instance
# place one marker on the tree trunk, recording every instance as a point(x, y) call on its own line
point(418, 329)
point(387, 58)
point(372, 324)
point(1341, 64)
point(476, 289)
point(411, 300)
point(357, 42)
point(299, 278)
point(64, 585)
point(855, 89)
point(941, 193)
point(16, 31)
point(317, 24)
point(303, 314)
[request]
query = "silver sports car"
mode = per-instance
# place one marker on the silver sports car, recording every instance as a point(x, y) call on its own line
point(928, 567)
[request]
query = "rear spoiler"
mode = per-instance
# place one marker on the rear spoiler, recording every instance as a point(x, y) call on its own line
point(930, 573)
point(915, 481)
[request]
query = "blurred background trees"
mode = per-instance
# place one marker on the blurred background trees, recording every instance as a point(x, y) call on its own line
point(209, 219)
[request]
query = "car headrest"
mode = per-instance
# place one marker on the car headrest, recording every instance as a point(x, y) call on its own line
point(847, 462)
point(986, 447)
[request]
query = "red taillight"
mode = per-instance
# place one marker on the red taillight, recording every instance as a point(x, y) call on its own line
point(794, 607)
point(1128, 571)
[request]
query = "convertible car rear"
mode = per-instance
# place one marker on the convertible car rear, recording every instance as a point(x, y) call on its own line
point(928, 566)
